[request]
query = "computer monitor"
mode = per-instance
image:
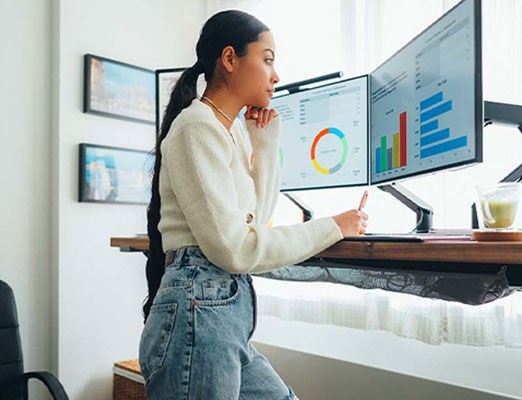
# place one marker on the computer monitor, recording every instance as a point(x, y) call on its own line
point(324, 136)
point(426, 100)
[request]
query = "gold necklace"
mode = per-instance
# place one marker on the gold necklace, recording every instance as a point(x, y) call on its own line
point(219, 110)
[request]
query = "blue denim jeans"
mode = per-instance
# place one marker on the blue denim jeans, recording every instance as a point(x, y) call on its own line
point(196, 342)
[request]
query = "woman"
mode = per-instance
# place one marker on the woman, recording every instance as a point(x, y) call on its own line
point(214, 189)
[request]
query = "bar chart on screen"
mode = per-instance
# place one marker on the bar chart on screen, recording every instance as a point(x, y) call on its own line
point(395, 155)
point(423, 102)
point(436, 139)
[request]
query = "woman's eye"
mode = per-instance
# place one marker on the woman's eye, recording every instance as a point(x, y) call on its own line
point(269, 61)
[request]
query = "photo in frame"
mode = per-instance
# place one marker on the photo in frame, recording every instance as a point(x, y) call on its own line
point(118, 90)
point(114, 175)
point(166, 79)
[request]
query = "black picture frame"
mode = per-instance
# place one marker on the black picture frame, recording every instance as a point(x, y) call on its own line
point(118, 90)
point(114, 174)
point(166, 79)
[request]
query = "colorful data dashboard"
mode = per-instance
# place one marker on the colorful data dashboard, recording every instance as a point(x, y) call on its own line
point(426, 100)
point(419, 112)
point(324, 138)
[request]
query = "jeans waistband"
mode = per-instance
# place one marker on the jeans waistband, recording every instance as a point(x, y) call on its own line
point(185, 256)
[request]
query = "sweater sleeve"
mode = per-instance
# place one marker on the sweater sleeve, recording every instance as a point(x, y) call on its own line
point(266, 170)
point(198, 160)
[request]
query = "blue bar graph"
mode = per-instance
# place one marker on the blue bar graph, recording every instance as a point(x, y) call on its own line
point(378, 161)
point(461, 141)
point(436, 111)
point(430, 101)
point(430, 126)
point(435, 137)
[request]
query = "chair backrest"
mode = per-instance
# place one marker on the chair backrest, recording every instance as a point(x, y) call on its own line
point(11, 359)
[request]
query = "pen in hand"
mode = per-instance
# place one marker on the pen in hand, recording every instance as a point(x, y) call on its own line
point(363, 200)
point(361, 206)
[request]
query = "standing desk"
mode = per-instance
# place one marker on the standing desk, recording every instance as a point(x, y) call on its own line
point(430, 255)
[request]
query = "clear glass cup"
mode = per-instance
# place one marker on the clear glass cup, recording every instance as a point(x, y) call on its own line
point(497, 206)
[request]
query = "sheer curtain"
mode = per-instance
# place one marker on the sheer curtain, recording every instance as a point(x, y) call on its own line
point(308, 37)
point(314, 38)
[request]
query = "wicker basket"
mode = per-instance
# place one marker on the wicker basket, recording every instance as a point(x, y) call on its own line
point(128, 384)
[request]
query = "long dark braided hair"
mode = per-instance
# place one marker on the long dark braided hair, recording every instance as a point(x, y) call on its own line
point(227, 28)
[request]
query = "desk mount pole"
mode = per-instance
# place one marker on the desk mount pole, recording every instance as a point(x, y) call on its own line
point(501, 114)
point(423, 210)
point(308, 213)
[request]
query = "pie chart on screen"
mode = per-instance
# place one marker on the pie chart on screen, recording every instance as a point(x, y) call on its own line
point(329, 151)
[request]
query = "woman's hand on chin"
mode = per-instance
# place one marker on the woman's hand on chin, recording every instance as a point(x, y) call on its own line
point(262, 116)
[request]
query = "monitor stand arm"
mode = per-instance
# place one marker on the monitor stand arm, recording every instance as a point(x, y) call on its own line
point(422, 209)
point(503, 114)
point(308, 213)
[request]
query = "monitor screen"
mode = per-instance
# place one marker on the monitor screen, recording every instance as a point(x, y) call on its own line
point(324, 136)
point(426, 100)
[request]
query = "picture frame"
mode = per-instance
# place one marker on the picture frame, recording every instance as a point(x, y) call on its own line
point(118, 90)
point(114, 174)
point(166, 79)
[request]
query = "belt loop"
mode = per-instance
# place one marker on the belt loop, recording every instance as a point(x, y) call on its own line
point(173, 257)
point(178, 256)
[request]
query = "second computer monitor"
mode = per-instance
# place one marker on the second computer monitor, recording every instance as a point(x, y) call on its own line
point(426, 100)
point(324, 136)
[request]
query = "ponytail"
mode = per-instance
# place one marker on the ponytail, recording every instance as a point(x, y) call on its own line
point(182, 95)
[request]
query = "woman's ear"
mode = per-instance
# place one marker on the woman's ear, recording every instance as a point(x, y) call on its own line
point(228, 58)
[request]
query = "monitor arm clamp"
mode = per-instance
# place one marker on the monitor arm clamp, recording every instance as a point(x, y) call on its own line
point(308, 213)
point(422, 210)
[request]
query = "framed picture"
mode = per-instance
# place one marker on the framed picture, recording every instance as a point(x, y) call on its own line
point(166, 79)
point(114, 175)
point(118, 90)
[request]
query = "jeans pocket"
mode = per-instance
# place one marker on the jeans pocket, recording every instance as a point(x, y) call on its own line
point(218, 292)
point(156, 336)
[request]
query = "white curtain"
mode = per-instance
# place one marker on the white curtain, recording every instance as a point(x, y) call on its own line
point(315, 37)
point(318, 37)
point(428, 320)
point(307, 35)
point(502, 58)
point(213, 6)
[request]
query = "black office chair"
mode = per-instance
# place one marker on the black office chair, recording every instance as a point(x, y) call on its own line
point(13, 380)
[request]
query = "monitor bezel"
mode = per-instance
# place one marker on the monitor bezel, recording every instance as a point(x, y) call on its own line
point(307, 89)
point(479, 103)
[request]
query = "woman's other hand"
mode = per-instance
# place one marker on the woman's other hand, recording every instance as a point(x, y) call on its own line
point(262, 116)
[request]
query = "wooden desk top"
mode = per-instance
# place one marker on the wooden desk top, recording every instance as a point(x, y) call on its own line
point(136, 243)
point(461, 251)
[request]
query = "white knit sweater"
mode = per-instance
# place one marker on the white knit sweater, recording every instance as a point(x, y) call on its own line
point(208, 188)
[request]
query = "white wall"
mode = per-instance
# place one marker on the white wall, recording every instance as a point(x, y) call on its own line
point(78, 300)
point(100, 289)
point(25, 132)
